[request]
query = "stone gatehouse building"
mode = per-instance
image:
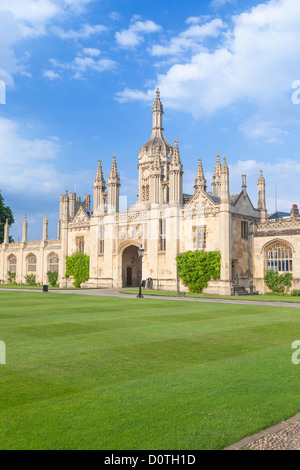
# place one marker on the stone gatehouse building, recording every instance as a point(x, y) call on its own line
point(166, 222)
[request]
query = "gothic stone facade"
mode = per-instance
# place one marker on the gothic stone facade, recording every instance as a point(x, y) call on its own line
point(166, 222)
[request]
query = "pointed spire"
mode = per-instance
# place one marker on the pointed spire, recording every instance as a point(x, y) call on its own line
point(200, 181)
point(45, 228)
point(261, 189)
point(113, 188)
point(261, 178)
point(218, 166)
point(99, 191)
point(216, 180)
point(224, 189)
point(157, 105)
point(225, 166)
point(114, 169)
point(157, 111)
point(176, 160)
point(6, 233)
point(99, 176)
point(25, 229)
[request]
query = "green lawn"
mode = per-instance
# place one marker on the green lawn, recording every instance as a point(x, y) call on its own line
point(261, 298)
point(87, 372)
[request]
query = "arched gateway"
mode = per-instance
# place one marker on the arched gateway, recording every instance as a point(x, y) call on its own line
point(130, 267)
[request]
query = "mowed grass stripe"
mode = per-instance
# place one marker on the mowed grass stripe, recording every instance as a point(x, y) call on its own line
point(91, 372)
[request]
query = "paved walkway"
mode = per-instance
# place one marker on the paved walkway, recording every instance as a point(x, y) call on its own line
point(118, 293)
point(282, 436)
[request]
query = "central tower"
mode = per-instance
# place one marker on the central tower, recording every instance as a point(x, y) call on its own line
point(155, 159)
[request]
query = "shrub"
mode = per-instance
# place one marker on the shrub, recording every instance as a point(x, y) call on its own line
point(11, 277)
point(295, 293)
point(52, 277)
point(278, 283)
point(30, 280)
point(275, 293)
point(197, 268)
point(78, 266)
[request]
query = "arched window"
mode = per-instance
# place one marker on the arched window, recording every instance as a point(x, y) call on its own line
point(53, 263)
point(12, 264)
point(279, 257)
point(31, 264)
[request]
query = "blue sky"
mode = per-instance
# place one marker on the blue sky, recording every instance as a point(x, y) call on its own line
point(80, 80)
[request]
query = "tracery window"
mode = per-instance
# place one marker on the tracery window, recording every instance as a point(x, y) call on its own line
point(279, 257)
point(31, 264)
point(53, 263)
point(12, 264)
point(199, 237)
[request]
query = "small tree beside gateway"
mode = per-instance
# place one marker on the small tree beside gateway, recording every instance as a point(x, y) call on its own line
point(78, 266)
point(197, 268)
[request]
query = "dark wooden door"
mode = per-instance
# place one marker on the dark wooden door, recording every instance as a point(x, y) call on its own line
point(129, 277)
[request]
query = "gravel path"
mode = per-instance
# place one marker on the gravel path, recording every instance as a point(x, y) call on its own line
point(287, 439)
point(282, 436)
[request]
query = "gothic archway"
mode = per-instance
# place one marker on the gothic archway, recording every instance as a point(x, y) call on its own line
point(130, 267)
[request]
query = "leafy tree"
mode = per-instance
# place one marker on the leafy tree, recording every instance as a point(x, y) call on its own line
point(197, 268)
point(78, 266)
point(278, 283)
point(5, 213)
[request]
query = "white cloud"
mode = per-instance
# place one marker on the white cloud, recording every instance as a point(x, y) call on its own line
point(84, 62)
point(29, 166)
point(197, 19)
point(41, 11)
point(259, 129)
point(91, 51)
point(20, 19)
point(191, 38)
point(26, 165)
point(134, 95)
point(133, 36)
point(85, 32)
point(255, 63)
point(51, 75)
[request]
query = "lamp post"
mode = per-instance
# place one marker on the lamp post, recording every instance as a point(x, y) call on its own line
point(141, 254)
